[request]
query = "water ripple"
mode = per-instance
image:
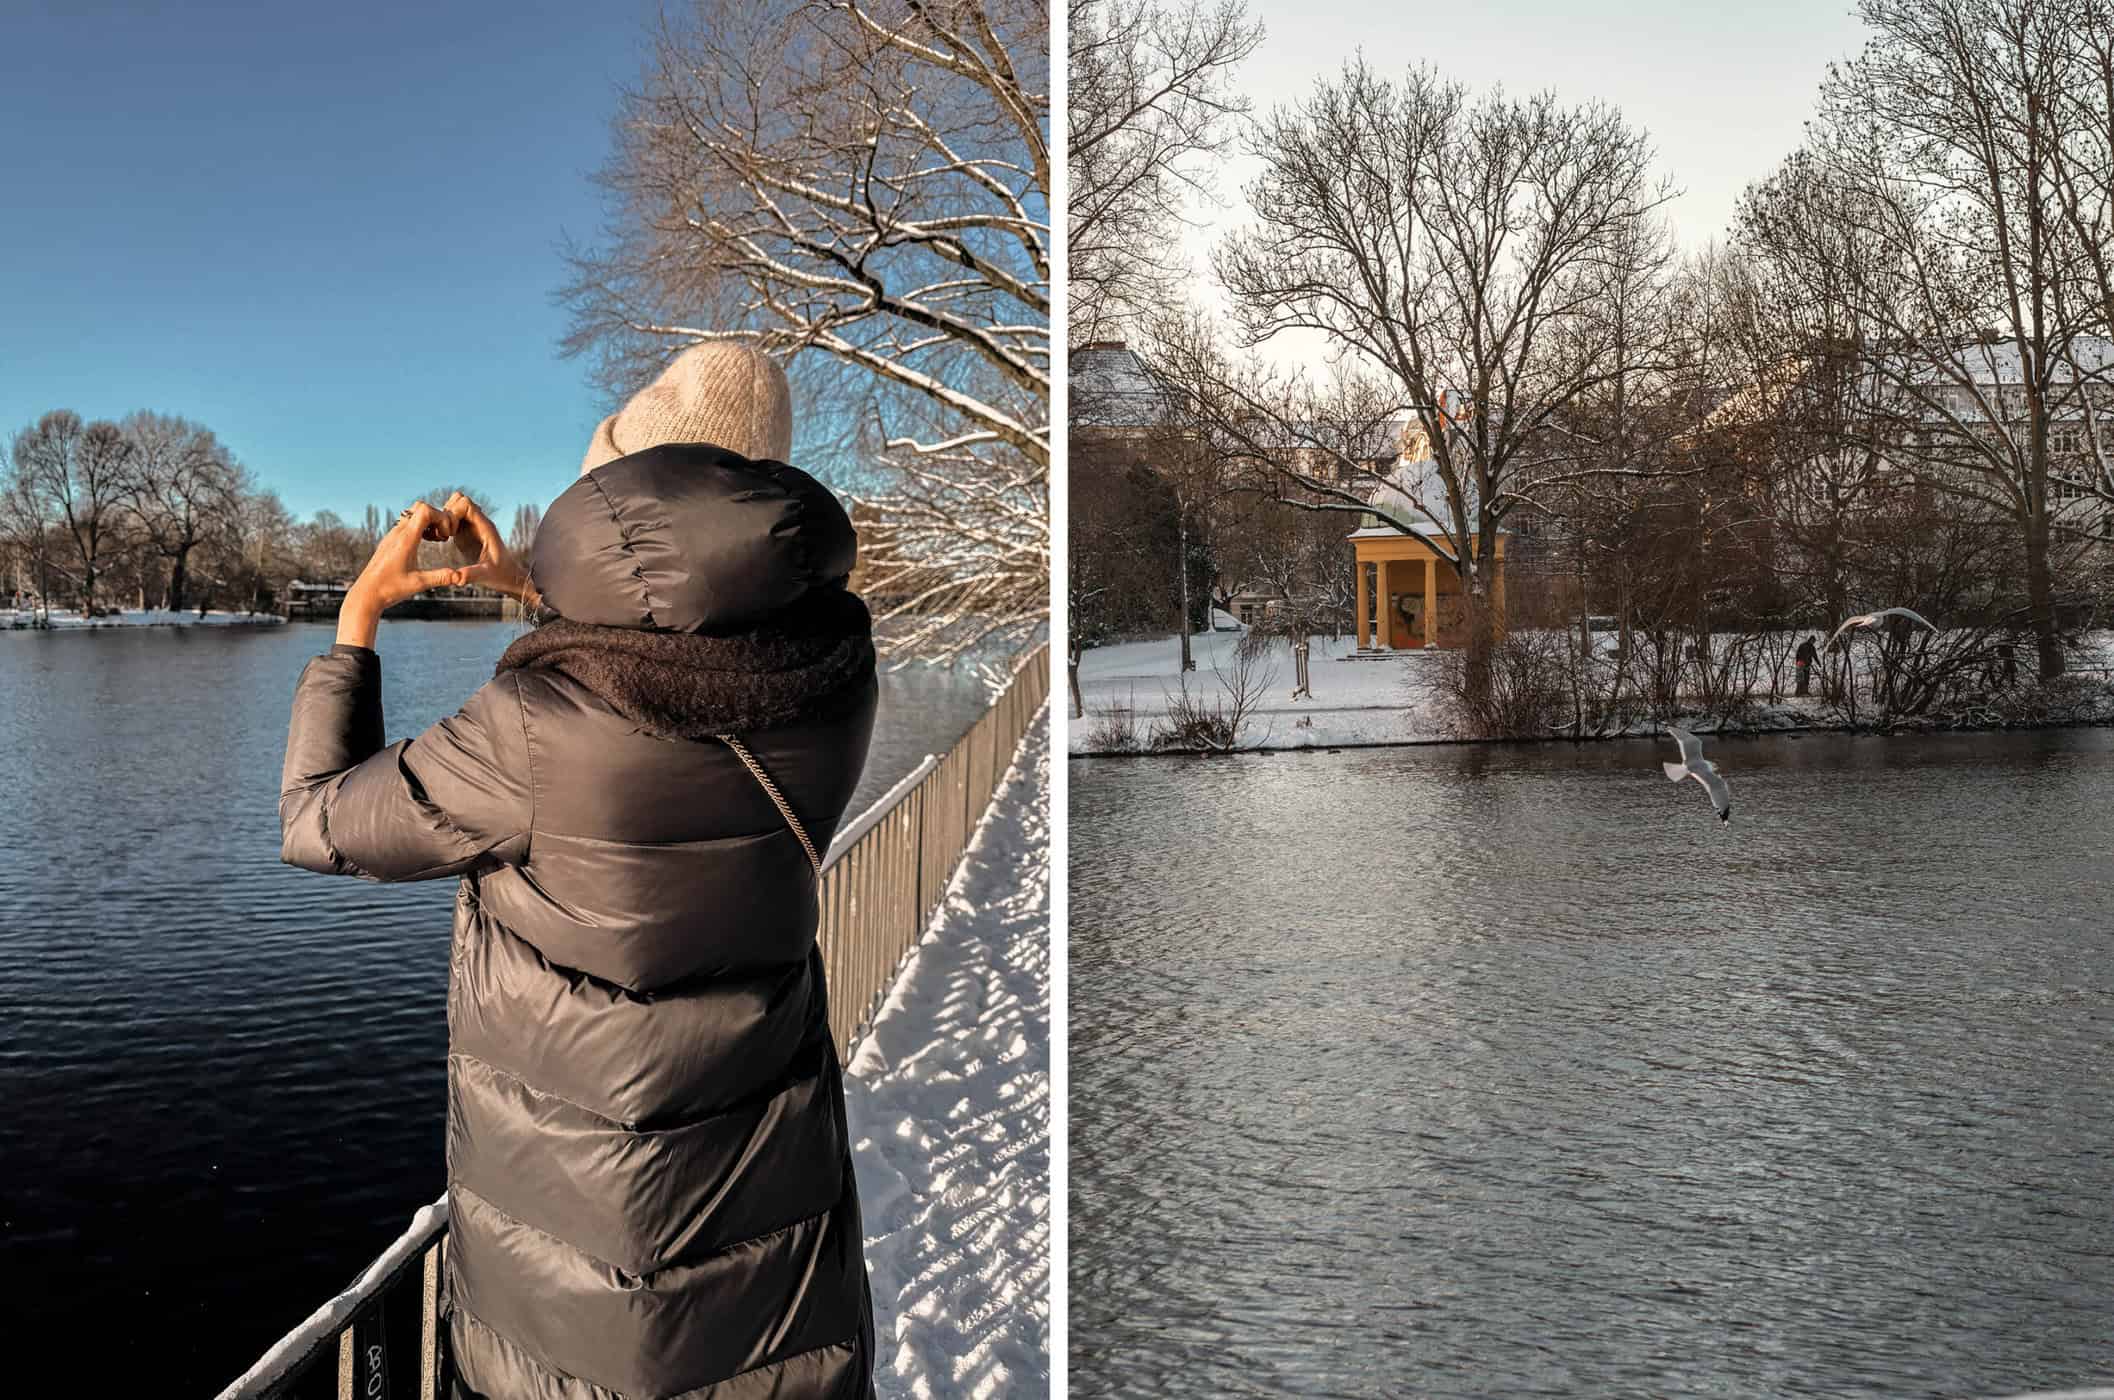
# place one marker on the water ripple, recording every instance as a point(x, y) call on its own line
point(1506, 1071)
point(224, 1079)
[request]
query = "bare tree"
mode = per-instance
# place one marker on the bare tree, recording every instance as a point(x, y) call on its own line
point(1808, 394)
point(73, 474)
point(330, 549)
point(1455, 252)
point(865, 181)
point(1190, 469)
point(180, 487)
point(1943, 144)
point(1217, 722)
point(1119, 531)
point(958, 557)
point(28, 533)
point(521, 535)
point(1148, 103)
point(266, 537)
point(2084, 187)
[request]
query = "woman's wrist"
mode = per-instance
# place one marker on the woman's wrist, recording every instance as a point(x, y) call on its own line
point(359, 617)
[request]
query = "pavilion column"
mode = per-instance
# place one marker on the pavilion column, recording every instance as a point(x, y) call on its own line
point(1431, 600)
point(1359, 569)
point(1383, 622)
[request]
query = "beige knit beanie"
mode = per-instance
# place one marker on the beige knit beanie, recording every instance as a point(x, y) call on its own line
point(722, 392)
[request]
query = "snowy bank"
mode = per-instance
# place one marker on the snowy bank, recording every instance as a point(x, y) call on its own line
point(1393, 697)
point(1356, 700)
point(948, 1096)
point(64, 620)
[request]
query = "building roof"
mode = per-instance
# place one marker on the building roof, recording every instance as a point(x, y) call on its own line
point(1988, 364)
point(1112, 388)
point(2000, 361)
point(1423, 527)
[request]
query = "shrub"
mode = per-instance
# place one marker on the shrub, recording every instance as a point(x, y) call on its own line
point(1115, 730)
point(1527, 690)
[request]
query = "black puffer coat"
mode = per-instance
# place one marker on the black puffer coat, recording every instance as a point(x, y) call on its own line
point(648, 1171)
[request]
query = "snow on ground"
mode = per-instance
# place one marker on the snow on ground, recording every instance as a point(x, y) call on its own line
point(949, 1099)
point(1384, 699)
point(68, 620)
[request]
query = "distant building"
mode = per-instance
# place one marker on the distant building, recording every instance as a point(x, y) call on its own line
point(1252, 603)
point(1409, 592)
point(315, 600)
point(1981, 392)
point(1113, 394)
point(1988, 398)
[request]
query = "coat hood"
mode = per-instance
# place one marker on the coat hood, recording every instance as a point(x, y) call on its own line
point(688, 537)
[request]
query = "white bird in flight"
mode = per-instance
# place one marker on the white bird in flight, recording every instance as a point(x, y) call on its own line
point(1694, 765)
point(1873, 619)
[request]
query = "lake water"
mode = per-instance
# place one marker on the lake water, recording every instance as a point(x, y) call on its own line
point(222, 1078)
point(1508, 1071)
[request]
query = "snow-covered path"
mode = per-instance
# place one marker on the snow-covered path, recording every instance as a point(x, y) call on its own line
point(949, 1102)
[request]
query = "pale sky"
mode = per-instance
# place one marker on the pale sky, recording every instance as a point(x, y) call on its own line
point(1723, 91)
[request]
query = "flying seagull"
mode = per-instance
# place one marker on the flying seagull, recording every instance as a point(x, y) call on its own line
point(1694, 765)
point(1873, 619)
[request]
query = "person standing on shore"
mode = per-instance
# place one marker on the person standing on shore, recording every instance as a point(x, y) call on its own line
point(649, 1173)
point(1808, 653)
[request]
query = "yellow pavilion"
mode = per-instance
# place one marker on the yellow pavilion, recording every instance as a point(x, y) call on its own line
point(1409, 596)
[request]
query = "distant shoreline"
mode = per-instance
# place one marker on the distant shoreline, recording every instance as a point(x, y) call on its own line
point(12, 620)
point(1363, 701)
point(1921, 727)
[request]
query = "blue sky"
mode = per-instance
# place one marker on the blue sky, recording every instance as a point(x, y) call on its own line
point(331, 232)
point(328, 232)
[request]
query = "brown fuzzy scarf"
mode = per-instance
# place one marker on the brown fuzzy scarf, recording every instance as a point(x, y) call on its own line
point(809, 662)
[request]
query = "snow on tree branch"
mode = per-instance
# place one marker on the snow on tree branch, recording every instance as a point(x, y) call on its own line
point(864, 183)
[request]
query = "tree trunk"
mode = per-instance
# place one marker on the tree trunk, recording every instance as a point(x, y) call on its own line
point(1478, 627)
point(1181, 571)
point(1624, 632)
point(1071, 671)
point(177, 578)
point(2040, 593)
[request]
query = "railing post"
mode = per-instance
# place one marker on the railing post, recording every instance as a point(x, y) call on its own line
point(429, 1328)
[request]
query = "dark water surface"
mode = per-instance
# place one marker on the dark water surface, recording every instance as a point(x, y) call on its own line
point(1506, 1072)
point(221, 1079)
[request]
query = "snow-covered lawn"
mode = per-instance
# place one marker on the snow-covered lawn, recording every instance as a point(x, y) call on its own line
point(150, 617)
point(1362, 701)
point(949, 1101)
point(1390, 699)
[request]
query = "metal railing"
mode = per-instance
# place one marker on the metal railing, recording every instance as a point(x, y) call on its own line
point(886, 870)
point(882, 881)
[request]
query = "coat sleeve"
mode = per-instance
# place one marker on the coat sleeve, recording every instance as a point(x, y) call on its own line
point(457, 797)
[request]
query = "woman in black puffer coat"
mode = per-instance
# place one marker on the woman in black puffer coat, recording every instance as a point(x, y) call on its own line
point(649, 1177)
